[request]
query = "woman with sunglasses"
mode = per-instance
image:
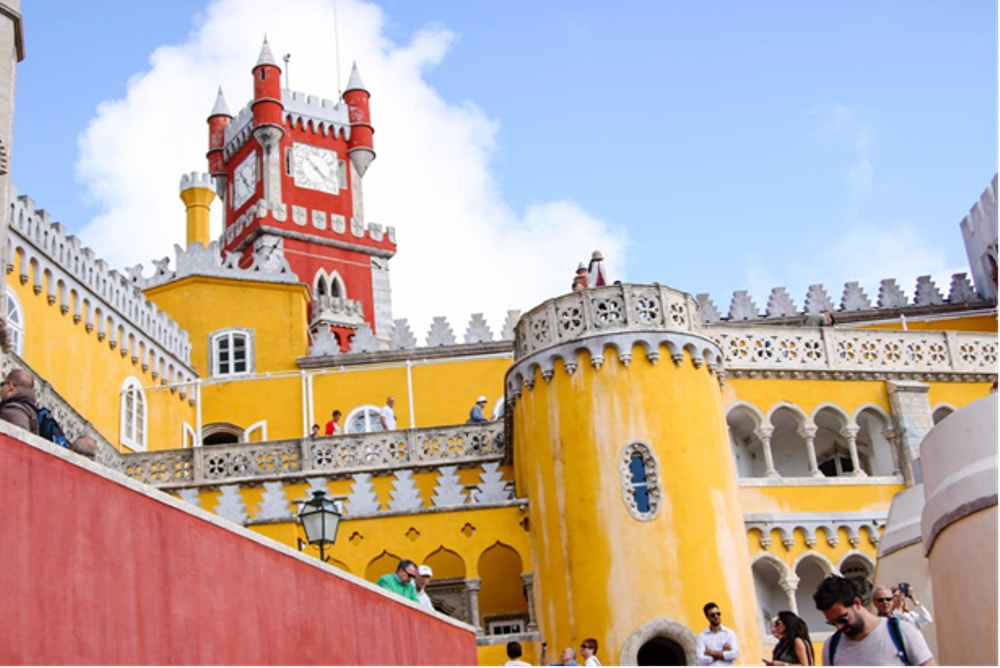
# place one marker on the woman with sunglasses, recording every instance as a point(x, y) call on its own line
point(794, 647)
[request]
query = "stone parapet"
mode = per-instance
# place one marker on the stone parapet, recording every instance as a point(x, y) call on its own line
point(335, 456)
point(835, 353)
point(606, 310)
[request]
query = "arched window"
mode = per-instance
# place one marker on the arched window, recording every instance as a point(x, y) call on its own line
point(337, 288)
point(15, 323)
point(320, 285)
point(640, 481)
point(363, 420)
point(232, 352)
point(133, 415)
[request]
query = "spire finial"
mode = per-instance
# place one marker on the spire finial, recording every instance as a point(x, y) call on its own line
point(266, 57)
point(220, 108)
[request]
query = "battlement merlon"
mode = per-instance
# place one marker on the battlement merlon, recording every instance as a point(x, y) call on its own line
point(72, 268)
point(979, 233)
point(196, 180)
point(892, 300)
point(325, 116)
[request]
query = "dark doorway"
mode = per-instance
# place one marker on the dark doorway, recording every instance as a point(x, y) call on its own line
point(661, 652)
point(220, 438)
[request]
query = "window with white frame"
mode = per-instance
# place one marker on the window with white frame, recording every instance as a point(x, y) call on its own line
point(232, 352)
point(640, 481)
point(133, 415)
point(362, 420)
point(15, 323)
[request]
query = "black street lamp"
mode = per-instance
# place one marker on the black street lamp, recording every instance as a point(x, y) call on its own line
point(320, 518)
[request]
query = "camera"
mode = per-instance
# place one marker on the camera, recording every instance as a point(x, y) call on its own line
point(904, 588)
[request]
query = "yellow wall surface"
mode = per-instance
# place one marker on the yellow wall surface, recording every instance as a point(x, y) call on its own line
point(985, 322)
point(89, 373)
point(276, 312)
point(603, 572)
point(443, 390)
point(856, 495)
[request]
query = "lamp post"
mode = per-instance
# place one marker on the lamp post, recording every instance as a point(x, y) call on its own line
point(320, 518)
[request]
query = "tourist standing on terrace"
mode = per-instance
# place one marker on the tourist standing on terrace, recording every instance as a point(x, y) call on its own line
point(386, 416)
point(18, 404)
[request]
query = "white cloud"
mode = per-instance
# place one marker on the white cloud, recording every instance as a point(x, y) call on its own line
point(462, 249)
point(864, 253)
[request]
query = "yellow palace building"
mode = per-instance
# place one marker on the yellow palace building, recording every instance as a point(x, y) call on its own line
point(650, 451)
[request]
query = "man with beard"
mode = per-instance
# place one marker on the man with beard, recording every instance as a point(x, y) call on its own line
point(863, 639)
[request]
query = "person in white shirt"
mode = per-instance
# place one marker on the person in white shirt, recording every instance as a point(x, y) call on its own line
point(919, 616)
point(588, 650)
point(716, 645)
point(386, 416)
point(424, 574)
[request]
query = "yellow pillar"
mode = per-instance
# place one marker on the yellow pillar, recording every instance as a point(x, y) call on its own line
point(197, 192)
point(608, 380)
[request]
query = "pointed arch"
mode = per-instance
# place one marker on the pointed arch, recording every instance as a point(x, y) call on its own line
point(386, 562)
point(338, 289)
point(501, 590)
point(320, 284)
point(446, 563)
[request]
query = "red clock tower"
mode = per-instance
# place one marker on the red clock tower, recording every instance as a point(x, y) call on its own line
point(288, 167)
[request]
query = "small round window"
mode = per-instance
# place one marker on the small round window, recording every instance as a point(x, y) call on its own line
point(640, 481)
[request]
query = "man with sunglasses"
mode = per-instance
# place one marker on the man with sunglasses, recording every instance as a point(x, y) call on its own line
point(863, 639)
point(402, 581)
point(882, 601)
point(17, 400)
point(716, 645)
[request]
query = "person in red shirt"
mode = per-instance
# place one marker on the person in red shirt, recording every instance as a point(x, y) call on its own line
point(332, 427)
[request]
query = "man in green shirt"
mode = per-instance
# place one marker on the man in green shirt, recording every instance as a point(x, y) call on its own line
point(401, 582)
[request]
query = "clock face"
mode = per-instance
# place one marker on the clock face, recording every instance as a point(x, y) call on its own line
point(315, 168)
point(244, 180)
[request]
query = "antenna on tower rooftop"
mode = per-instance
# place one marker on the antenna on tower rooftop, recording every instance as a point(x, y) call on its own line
point(336, 46)
point(286, 58)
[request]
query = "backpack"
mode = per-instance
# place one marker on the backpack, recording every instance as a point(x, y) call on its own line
point(49, 429)
point(894, 633)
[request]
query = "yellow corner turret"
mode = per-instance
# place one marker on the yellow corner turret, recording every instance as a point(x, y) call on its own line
point(620, 445)
point(197, 192)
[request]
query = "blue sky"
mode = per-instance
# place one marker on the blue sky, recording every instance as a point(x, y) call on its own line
point(710, 146)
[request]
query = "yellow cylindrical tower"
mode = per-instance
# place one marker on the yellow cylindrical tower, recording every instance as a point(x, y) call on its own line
point(620, 444)
point(197, 192)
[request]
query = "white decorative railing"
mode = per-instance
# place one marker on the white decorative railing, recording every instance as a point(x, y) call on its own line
point(605, 310)
point(815, 349)
point(336, 455)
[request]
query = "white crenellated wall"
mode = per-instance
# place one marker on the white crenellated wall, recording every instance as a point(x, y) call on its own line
point(979, 231)
point(853, 299)
point(73, 277)
point(307, 111)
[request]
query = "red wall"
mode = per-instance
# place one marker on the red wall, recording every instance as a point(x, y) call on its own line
point(94, 572)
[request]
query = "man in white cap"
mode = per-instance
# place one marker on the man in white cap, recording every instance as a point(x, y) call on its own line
point(476, 414)
point(424, 574)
